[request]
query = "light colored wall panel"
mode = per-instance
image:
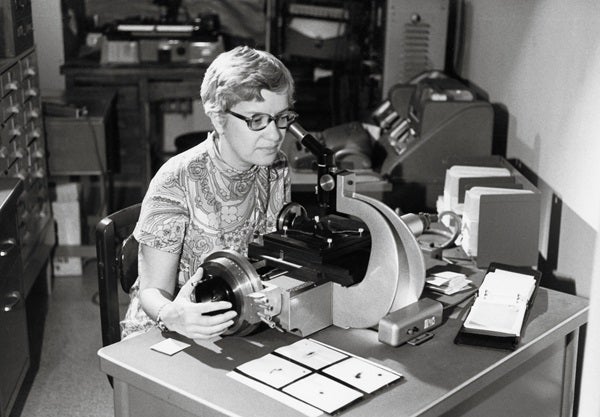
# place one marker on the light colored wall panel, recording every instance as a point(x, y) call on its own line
point(541, 59)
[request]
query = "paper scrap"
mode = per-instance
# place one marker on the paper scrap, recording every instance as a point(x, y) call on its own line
point(169, 346)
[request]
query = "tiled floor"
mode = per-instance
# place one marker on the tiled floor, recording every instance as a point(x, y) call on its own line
point(65, 336)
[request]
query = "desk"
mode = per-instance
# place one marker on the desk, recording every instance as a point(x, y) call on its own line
point(194, 382)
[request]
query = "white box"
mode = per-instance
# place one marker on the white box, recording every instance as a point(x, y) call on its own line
point(68, 224)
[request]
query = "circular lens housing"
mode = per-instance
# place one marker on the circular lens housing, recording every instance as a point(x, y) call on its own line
point(231, 277)
point(212, 289)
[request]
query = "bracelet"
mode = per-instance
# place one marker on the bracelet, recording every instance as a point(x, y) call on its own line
point(159, 322)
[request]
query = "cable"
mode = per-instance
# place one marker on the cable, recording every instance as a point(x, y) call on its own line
point(451, 236)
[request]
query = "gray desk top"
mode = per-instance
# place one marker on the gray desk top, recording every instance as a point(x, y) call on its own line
point(438, 374)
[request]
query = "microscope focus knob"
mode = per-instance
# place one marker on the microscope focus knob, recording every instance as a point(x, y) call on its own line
point(327, 182)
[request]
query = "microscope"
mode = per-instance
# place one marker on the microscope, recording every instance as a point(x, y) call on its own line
point(351, 266)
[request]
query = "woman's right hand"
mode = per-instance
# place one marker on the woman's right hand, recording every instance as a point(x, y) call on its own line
point(190, 319)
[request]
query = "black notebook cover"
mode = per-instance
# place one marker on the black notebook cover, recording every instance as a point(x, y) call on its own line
point(500, 342)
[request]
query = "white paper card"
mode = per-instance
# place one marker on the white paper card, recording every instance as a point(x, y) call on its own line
point(363, 375)
point(169, 346)
point(282, 397)
point(322, 392)
point(314, 355)
point(273, 370)
point(448, 275)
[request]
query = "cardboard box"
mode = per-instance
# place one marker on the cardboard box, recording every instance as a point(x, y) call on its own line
point(67, 214)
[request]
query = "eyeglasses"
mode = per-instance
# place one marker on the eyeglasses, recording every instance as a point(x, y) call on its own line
point(259, 121)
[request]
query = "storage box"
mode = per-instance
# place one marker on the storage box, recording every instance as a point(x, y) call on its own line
point(502, 223)
point(66, 212)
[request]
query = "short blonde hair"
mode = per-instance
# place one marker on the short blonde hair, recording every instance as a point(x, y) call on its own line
point(239, 75)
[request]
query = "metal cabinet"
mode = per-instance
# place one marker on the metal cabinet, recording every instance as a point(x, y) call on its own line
point(23, 156)
point(14, 341)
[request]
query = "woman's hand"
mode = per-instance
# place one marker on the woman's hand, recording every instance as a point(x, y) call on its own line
point(189, 319)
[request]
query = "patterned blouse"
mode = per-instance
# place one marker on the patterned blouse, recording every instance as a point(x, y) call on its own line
point(197, 204)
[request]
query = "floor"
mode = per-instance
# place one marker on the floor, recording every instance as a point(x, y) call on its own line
point(65, 379)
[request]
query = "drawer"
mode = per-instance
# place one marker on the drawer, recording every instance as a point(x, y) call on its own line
point(9, 261)
point(28, 66)
point(10, 106)
point(5, 132)
point(9, 80)
point(9, 243)
point(14, 349)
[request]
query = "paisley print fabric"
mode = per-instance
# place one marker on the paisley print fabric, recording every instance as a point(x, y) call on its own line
point(197, 204)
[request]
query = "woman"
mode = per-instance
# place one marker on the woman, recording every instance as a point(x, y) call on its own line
point(223, 193)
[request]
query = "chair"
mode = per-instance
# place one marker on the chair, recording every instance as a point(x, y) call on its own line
point(116, 250)
point(189, 140)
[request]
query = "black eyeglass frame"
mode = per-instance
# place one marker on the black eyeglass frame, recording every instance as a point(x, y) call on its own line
point(276, 118)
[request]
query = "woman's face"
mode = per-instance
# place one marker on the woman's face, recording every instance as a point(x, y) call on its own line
point(241, 147)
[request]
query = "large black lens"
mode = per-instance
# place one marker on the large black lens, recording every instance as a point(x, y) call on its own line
point(213, 288)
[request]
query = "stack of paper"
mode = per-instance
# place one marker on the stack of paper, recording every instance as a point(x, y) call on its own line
point(447, 282)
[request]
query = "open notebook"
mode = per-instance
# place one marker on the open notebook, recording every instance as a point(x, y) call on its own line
point(499, 311)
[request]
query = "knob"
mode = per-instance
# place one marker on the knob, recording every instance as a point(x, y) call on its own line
point(38, 154)
point(31, 92)
point(12, 299)
point(19, 152)
point(12, 86)
point(6, 246)
point(39, 173)
point(33, 114)
point(22, 174)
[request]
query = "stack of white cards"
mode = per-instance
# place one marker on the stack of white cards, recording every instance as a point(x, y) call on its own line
point(501, 304)
point(447, 282)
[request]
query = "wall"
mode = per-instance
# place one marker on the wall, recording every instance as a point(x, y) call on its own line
point(540, 59)
point(590, 400)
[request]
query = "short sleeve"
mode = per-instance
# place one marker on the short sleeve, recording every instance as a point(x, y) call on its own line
point(164, 216)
